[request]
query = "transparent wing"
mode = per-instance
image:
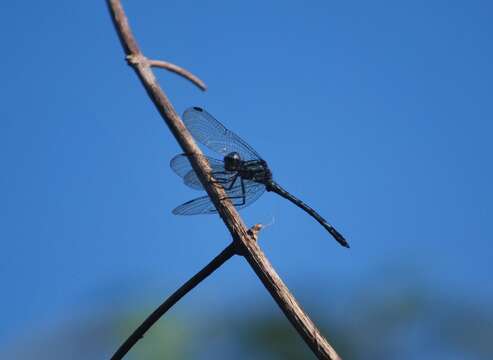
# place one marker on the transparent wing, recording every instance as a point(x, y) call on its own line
point(204, 205)
point(182, 167)
point(210, 132)
point(201, 205)
point(181, 164)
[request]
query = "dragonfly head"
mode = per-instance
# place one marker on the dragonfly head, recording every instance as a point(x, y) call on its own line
point(232, 161)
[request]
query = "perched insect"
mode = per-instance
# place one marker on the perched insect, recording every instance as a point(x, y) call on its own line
point(242, 172)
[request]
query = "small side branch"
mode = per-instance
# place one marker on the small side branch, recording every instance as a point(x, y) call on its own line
point(139, 59)
point(180, 71)
point(215, 264)
point(138, 334)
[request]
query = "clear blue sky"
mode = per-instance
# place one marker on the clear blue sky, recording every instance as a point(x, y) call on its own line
point(377, 114)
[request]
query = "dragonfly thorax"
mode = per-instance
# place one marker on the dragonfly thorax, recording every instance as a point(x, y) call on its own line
point(232, 161)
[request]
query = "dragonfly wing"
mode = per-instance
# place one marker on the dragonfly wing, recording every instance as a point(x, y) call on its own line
point(201, 205)
point(182, 167)
point(241, 196)
point(211, 133)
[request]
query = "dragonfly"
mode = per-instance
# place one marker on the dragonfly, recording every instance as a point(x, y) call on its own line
point(242, 172)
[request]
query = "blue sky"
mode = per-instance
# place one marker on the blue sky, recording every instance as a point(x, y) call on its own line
point(376, 114)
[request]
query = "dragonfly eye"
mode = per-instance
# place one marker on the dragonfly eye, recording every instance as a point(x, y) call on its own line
point(232, 161)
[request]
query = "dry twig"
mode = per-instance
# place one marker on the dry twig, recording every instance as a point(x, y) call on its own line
point(180, 71)
point(138, 334)
point(248, 246)
point(207, 270)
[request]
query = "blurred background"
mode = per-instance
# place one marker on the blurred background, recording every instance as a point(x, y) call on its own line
point(378, 114)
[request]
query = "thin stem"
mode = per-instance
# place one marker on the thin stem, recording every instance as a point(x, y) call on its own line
point(138, 334)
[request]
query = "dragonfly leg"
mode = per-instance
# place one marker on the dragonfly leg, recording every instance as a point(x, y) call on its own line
point(242, 196)
point(230, 186)
point(233, 180)
point(243, 193)
point(221, 180)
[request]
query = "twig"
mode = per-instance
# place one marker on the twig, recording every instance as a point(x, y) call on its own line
point(250, 249)
point(220, 259)
point(178, 70)
point(217, 262)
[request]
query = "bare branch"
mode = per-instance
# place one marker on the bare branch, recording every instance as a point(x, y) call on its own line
point(249, 248)
point(215, 264)
point(135, 59)
point(138, 334)
point(180, 71)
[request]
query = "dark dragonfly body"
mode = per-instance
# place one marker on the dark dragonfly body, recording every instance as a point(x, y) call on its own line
point(243, 174)
point(254, 170)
